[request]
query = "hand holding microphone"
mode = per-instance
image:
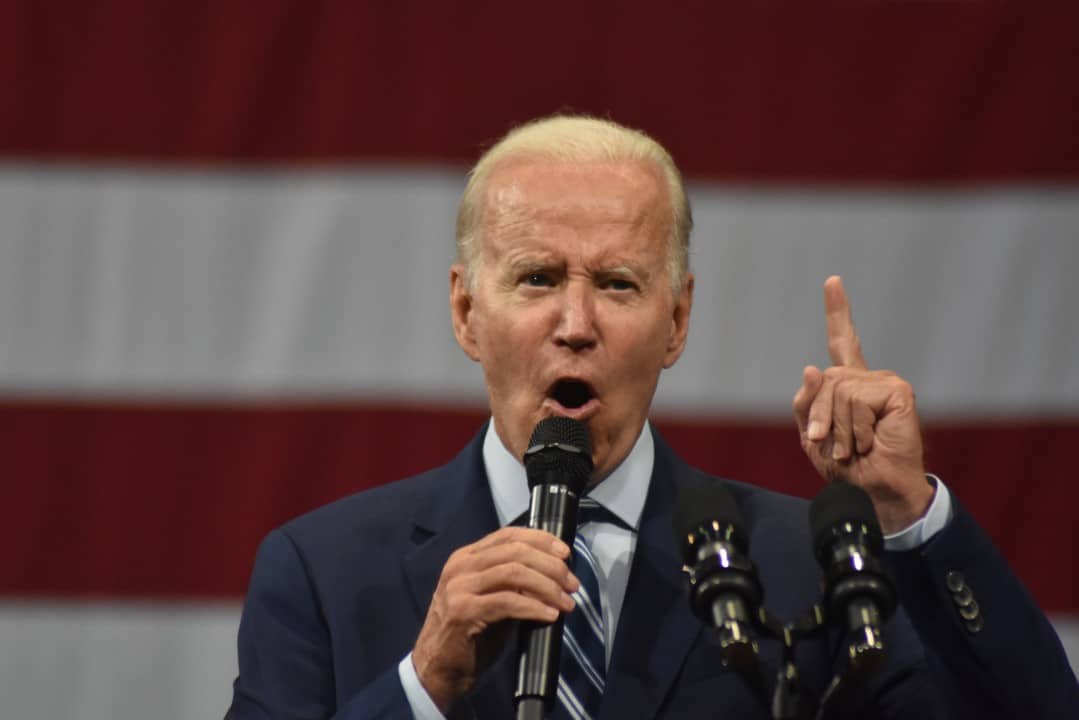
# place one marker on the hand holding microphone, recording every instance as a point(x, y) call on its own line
point(513, 574)
point(558, 463)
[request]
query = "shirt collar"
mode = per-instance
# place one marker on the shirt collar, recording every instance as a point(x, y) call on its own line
point(622, 492)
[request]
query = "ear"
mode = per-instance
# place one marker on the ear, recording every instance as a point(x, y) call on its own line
point(680, 323)
point(461, 311)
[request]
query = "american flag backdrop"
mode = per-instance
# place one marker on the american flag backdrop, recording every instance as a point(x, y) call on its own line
point(225, 229)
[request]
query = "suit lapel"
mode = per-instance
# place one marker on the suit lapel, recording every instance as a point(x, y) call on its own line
point(455, 509)
point(656, 628)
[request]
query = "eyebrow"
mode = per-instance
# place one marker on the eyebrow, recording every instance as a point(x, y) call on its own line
point(537, 260)
point(531, 262)
point(626, 271)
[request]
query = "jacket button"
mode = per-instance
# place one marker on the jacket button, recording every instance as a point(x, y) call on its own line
point(975, 624)
point(955, 581)
point(970, 612)
point(963, 597)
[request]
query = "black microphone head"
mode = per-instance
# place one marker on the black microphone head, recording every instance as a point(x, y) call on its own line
point(837, 504)
point(558, 430)
point(704, 504)
point(561, 448)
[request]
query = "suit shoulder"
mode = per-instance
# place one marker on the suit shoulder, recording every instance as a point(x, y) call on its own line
point(371, 512)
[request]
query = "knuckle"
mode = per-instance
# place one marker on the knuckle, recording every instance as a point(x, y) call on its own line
point(451, 587)
point(516, 572)
point(844, 390)
point(515, 533)
point(456, 605)
point(518, 548)
point(451, 568)
point(509, 534)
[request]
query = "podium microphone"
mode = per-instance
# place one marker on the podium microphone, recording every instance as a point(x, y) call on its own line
point(847, 541)
point(724, 590)
point(558, 463)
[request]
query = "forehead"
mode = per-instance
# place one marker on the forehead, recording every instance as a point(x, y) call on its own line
point(523, 196)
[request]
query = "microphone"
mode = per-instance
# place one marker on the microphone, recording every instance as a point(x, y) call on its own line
point(723, 587)
point(558, 463)
point(847, 540)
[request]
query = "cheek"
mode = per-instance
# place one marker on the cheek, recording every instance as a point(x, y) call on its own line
point(507, 344)
point(642, 344)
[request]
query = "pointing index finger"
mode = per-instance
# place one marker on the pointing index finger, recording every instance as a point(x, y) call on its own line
point(844, 347)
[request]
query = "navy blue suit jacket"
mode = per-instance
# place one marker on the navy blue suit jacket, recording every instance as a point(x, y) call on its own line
point(337, 598)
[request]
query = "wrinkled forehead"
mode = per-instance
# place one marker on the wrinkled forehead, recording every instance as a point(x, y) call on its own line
point(524, 191)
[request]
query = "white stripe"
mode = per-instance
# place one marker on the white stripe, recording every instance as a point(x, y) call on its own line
point(129, 661)
point(589, 610)
point(323, 283)
point(583, 660)
point(592, 612)
point(119, 661)
point(570, 702)
point(582, 546)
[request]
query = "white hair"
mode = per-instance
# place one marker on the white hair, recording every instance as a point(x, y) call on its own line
point(584, 139)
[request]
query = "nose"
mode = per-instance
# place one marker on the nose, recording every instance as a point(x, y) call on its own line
point(577, 323)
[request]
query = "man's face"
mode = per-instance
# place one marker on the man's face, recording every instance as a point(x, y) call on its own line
point(571, 312)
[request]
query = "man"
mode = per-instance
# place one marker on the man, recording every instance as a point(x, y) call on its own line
point(573, 293)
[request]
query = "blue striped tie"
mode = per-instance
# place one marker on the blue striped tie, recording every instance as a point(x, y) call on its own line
point(582, 669)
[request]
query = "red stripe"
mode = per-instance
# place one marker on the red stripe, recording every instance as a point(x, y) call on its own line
point(877, 91)
point(141, 500)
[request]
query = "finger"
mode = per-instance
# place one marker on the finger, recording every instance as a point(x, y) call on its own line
point(842, 423)
point(820, 411)
point(539, 539)
point(537, 560)
point(516, 552)
point(519, 578)
point(508, 605)
point(844, 347)
point(811, 382)
point(865, 420)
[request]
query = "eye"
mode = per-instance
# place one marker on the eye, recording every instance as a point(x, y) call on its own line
point(538, 279)
point(619, 284)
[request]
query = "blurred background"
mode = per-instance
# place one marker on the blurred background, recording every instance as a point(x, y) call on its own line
point(225, 229)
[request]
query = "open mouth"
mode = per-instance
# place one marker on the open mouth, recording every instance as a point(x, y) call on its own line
point(571, 394)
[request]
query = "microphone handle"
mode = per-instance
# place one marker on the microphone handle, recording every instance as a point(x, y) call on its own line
point(864, 641)
point(732, 622)
point(554, 509)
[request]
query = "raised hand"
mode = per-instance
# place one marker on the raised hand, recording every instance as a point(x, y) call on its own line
point(859, 425)
point(512, 574)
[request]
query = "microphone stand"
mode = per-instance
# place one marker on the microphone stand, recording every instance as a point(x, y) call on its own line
point(790, 700)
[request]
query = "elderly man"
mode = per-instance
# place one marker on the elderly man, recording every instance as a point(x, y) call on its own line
point(572, 291)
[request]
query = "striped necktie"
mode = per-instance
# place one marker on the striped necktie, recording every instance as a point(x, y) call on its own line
point(582, 668)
